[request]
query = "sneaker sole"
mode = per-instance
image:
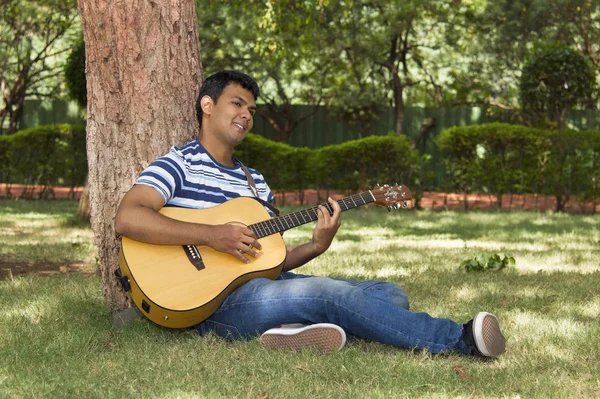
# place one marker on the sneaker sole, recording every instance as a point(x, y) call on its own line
point(323, 337)
point(488, 337)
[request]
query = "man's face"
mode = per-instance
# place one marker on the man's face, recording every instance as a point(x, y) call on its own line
point(231, 116)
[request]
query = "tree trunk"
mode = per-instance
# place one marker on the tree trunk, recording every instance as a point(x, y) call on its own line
point(84, 210)
point(143, 76)
point(399, 107)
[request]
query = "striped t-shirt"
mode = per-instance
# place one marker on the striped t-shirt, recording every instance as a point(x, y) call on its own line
point(189, 177)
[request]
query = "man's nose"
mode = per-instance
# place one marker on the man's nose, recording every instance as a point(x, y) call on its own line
point(246, 114)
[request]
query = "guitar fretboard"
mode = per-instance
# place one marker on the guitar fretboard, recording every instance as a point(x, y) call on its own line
point(291, 220)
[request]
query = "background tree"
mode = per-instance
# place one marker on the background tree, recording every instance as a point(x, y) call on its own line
point(275, 43)
point(74, 70)
point(143, 76)
point(397, 47)
point(554, 80)
point(76, 86)
point(503, 33)
point(32, 43)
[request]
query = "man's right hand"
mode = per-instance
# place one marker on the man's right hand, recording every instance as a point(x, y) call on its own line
point(234, 239)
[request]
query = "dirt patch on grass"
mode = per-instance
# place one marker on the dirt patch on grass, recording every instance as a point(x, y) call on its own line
point(9, 270)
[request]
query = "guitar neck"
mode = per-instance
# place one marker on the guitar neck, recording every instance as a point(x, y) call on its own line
point(291, 220)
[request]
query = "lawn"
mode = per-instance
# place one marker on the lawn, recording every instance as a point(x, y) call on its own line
point(56, 337)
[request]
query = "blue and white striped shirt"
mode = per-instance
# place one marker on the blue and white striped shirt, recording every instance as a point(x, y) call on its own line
point(189, 177)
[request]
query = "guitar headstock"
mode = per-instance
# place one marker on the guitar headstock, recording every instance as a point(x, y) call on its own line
point(394, 197)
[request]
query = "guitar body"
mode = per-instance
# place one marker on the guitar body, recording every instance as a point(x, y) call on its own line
point(171, 291)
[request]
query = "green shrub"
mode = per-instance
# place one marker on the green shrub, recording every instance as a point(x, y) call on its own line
point(554, 79)
point(503, 158)
point(361, 164)
point(353, 165)
point(48, 155)
point(284, 167)
point(486, 261)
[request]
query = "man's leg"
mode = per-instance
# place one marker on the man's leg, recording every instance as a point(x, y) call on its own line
point(355, 306)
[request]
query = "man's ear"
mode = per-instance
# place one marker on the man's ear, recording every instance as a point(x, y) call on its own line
point(207, 103)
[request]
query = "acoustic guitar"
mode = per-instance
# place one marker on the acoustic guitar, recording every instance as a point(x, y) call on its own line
point(179, 286)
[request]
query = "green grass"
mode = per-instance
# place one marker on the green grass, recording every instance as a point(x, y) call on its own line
point(56, 338)
point(43, 231)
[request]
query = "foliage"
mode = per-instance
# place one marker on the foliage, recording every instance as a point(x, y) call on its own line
point(390, 52)
point(33, 39)
point(285, 168)
point(354, 56)
point(502, 34)
point(75, 73)
point(555, 79)
point(47, 155)
point(353, 165)
point(361, 164)
point(486, 261)
point(277, 44)
point(569, 165)
point(502, 158)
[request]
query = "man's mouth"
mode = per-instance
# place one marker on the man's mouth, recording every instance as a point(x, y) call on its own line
point(239, 126)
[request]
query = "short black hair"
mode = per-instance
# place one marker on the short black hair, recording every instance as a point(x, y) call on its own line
point(214, 85)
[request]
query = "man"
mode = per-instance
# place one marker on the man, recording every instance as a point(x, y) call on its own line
point(295, 310)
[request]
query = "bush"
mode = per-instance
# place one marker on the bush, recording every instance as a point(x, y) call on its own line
point(554, 79)
point(48, 155)
point(502, 159)
point(351, 166)
point(285, 168)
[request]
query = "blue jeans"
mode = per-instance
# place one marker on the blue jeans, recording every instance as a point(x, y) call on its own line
point(373, 310)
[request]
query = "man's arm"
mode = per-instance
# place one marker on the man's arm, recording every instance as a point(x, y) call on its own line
point(327, 227)
point(138, 218)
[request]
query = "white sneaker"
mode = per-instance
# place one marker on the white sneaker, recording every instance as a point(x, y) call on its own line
point(323, 336)
point(488, 338)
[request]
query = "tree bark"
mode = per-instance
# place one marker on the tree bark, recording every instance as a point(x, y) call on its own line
point(143, 76)
point(84, 210)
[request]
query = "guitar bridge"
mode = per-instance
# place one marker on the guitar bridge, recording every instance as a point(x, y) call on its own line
point(193, 256)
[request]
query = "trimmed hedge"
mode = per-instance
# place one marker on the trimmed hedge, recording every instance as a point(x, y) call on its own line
point(350, 166)
point(361, 164)
point(51, 155)
point(512, 159)
point(285, 168)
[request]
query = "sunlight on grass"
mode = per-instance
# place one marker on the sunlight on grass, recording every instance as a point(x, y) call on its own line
point(590, 309)
point(38, 236)
point(541, 326)
point(467, 293)
point(555, 263)
point(33, 312)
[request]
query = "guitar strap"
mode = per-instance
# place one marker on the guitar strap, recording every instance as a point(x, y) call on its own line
point(252, 185)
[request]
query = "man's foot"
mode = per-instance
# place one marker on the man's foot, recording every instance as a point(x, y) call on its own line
point(323, 336)
point(483, 336)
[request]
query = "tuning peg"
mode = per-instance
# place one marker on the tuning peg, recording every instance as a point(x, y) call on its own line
point(396, 184)
point(397, 206)
point(405, 204)
point(377, 184)
point(389, 208)
point(386, 185)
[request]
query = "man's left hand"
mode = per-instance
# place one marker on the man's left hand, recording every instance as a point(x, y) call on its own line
point(327, 226)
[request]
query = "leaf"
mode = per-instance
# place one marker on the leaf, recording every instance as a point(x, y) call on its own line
point(265, 395)
point(462, 374)
point(486, 261)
